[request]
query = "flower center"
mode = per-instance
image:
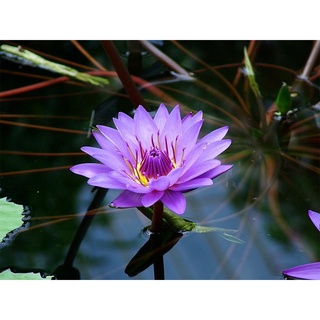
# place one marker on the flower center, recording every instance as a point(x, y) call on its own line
point(155, 163)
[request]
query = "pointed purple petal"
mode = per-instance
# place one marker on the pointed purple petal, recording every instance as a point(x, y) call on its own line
point(315, 218)
point(109, 159)
point(188, 140)
point(189, 120)
point(127, 199)
point(150, 198)
point(197, 170)
point(104, 180)
point(172, 128)
point(127, 132)
point(175, 201)
point(215, 135)
point(103, 141)
point(127, 120)
point(174, 175)
point(160, 184)
point(192, 184)
point(113, 136)
point(161, 117)
point(89, 169)
point(310, 271)
point(215, 172)
point(145, 127)
point(214, 149)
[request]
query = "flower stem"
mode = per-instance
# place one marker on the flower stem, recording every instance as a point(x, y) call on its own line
point(157, 217)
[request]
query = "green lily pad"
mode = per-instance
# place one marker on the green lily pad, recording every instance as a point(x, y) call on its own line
point(10, 217)
point(8, 275)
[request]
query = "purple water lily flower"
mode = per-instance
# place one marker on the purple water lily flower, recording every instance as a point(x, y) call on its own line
point(154, 159)
point(309, 271)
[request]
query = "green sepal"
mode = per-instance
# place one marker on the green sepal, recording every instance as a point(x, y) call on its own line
point(178, 224)
point(284, 100)
point(170, 220)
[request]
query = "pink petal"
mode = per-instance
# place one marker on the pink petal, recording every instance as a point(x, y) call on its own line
point(174, 201)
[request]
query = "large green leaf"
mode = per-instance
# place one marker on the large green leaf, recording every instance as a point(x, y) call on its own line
point(8, 275)
point(10, 217)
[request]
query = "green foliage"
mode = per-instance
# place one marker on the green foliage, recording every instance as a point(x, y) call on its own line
point(27, 57)
point(10, 216)
point(250, 74)
point(10, 219)
point(284, 100)
point(8, 275)
point(178, 224)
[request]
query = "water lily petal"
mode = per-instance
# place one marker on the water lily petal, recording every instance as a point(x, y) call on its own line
point(172, 127)
point(189, 120)
point(127, 132)
point(89, 169)
point(215, 172)
point(192, 184)
point(198, 170)
point(127, 199)
point(115, 138)
point(215, 135)
point(145, 127)
point(160, 184)
point(315, 218)
point(174, 175)
point(188, 140)
point(175, 201)
point(309, 271)
point(127, 120)
point(161, 117)
point(111, 160)
point(104, 180)
point(150, 198)
point(214, 149)
point(103, 142)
